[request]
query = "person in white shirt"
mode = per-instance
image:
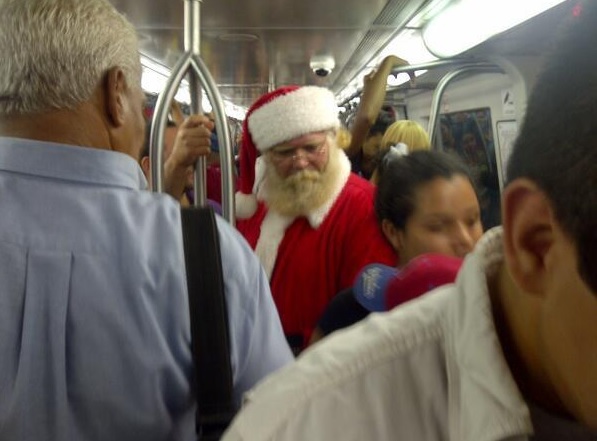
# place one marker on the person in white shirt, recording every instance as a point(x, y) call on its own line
point(509, 352)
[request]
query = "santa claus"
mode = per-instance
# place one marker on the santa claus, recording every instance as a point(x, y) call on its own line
point(308, 218)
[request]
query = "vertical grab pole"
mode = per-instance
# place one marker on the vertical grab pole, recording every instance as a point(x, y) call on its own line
point(192, 43)
point(199, 77)
point(158, 123)
point(191, 64)
point(226, 163)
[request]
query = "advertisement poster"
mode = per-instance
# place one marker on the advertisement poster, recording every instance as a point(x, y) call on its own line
point(469, 135)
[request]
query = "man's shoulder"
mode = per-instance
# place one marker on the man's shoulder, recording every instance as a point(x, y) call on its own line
point(400, 353)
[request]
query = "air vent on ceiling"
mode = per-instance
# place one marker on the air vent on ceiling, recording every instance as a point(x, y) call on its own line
point(394, 16)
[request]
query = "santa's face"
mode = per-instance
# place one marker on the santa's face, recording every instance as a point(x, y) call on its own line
point(307, 152)
point(301, 174)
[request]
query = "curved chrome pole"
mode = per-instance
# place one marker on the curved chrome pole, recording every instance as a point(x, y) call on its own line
point(414, 67)
point(192, 46)
point(441, 87)
point(191, 64)
point(224, 137)
point(158, 122)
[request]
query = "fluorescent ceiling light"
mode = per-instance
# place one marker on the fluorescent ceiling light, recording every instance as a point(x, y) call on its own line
point(148, 63)
point(408, 45)
point(153, 80)
point(470, 22)
point(234, 111)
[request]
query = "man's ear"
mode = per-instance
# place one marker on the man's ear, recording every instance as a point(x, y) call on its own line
point(115, 88)
point(528, 221)
point(145, 165)
point(393, 234)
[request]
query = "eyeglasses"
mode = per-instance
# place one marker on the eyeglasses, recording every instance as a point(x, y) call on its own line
point(309, 152)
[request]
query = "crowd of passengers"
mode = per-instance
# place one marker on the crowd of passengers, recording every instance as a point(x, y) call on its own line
point(490, 335)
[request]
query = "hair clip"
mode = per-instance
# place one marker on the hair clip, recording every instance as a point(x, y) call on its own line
point(394, 152)
point(399, 149)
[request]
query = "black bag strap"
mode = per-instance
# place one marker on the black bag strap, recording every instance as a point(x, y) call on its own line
point(209, 322)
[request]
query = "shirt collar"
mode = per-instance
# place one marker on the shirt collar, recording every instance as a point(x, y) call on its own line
point(71, 163)
point(490, 403)
point(317, 216)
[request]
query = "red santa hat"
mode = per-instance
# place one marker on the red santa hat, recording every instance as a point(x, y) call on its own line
point(278, 116)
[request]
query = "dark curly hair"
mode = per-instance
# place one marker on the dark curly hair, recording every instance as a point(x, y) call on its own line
point(401, 176)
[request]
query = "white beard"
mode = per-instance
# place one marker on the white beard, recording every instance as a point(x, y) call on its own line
point(303, 192)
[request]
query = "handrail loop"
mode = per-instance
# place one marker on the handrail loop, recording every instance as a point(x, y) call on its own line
point(443, 84)
point(190, 63)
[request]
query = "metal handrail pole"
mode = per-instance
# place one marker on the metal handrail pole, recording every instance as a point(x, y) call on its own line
point(192, 46)
point(191, 64)
point(199, 77)
point(223, 135)
point(158, 123)
point(441, 87)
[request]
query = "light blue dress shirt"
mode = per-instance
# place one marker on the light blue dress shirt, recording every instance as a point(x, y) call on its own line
point(94, 321)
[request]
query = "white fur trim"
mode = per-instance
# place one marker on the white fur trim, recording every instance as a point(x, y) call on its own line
point(316, 217)
point(272, 232)
point(260, 169)
point(305, 110)
point(245, 204)
point(274, 225)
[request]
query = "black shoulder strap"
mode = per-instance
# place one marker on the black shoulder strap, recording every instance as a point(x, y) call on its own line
point(209, 322)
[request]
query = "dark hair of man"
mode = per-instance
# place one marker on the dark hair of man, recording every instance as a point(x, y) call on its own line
point(557, 145)
point(401, 176)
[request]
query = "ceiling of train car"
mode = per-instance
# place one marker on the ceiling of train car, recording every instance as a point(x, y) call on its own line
point(530, 39)
point(252, 46)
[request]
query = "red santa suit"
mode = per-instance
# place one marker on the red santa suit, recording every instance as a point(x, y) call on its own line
point(309, 259)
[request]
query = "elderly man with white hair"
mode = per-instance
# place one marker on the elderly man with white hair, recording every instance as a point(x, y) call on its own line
point(94, 318)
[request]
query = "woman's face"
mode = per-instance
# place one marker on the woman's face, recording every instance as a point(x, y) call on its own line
point(446, 220)
point(371, 146)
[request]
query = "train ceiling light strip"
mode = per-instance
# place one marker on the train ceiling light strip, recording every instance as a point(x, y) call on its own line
point(154, 76)
point(465, 24)
point(408, 45)
point(450, 29)
point(153, 80)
